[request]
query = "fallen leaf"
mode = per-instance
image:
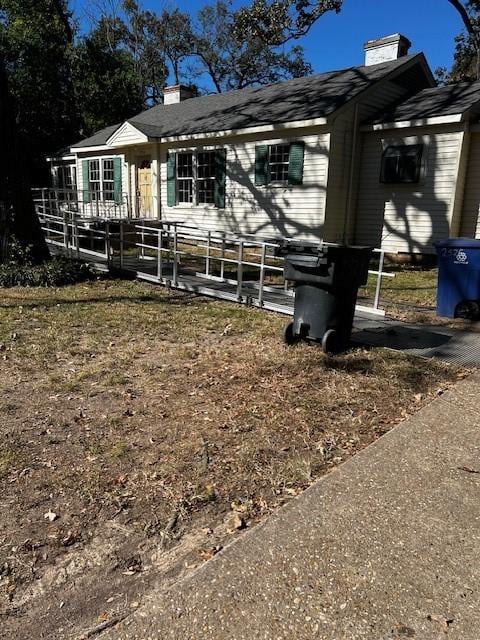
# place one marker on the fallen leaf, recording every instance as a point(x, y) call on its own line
point(441, 620)
point(236, 523)
point(227, 330)
point(69, 539)
point(207, 554)
point(50, 515)
point(468, 469)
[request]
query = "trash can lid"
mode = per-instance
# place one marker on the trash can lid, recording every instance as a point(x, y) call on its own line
point(460, 243)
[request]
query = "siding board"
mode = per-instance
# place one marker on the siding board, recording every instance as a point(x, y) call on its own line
point(470, 224)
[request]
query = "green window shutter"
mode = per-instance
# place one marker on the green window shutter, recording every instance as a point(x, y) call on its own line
point(117, 179)
point(220, 178)
point(171, 179)
point(261, 165)
point(86, 186)
point(295, 163)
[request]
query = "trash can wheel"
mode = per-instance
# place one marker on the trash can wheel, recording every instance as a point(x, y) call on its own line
point(468, 309)
point(330, 342)
point(289, 336)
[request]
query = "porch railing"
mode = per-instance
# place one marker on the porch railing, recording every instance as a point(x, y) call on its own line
point(86, 204)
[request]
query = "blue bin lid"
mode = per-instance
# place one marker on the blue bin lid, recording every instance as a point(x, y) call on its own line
point(460, 243)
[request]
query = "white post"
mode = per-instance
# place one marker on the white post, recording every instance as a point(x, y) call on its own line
point(159, 253)
point(222, 263)
point(262, 275)
point(379, 280)
point(65, 231)
point(240, 271)
point(44, 202)
point(76, 238)
point(107, 242)
point(175, 257)
point(207, 261)
point(121, 242)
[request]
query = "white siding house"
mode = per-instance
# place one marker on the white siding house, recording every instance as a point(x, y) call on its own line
point(374, 155)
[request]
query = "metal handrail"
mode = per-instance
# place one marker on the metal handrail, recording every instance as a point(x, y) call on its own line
point(173, 245)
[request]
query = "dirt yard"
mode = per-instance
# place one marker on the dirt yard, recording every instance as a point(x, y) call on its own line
point(142, 429)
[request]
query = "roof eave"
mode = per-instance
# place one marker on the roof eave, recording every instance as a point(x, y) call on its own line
point(273, 128)
point(420, 122)
point(66, 156)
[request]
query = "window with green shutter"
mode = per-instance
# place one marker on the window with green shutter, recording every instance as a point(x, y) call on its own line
point(279, 164)
point(196, 177)
point(102, 180)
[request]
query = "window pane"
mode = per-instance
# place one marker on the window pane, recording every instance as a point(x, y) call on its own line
point(205, 177)
point(94, 180)
point(206, 164)
point(185, 165)
point(278, 162)
point(94, 169)
point(205, 189)
point(108, 170)
point(185, 190)
point(108, 191)
point(95, 191)
point(401, 164)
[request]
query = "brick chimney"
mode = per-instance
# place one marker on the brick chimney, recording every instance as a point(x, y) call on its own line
point(178, 93)
point(386, 49)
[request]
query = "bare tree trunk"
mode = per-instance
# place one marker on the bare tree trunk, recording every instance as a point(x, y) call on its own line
point(4, 233)
point(15, 193)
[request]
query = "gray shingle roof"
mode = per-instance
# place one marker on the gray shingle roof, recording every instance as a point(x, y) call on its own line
point(299, 99)
point(99, 138)
point(428, 103)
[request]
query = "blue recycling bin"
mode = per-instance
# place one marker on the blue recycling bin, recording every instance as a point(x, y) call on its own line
point(458, 293)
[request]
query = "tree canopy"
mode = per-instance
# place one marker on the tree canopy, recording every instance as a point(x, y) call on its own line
point(36, 41)
point(466, 63)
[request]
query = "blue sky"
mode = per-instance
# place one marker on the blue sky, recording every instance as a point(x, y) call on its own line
point(336, 41)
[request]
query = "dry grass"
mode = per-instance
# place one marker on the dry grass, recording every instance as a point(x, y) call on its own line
point(129, 403)
point(412, 296)
point(411, 285)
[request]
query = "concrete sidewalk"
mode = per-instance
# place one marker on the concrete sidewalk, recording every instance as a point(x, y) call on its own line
point(387, 546)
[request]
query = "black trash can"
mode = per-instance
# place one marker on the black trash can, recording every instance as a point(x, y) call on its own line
point(327, 278)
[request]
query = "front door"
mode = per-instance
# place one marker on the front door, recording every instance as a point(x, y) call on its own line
point(144, 189)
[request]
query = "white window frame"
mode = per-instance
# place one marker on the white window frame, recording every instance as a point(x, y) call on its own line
point(185, 179)
point(67, 177)
point(194, 178)
point(101, 180)
point(286, 163)
point(211, 177)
